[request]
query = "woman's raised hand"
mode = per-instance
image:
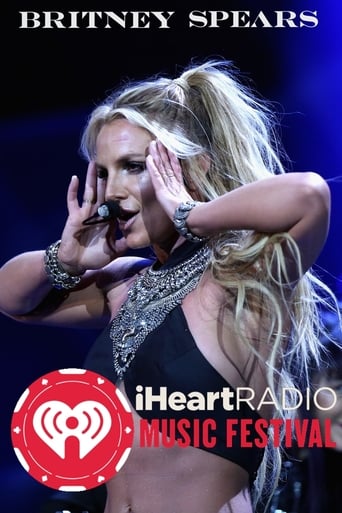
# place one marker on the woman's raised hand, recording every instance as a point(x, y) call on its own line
point(92, 246)
point(167, 177)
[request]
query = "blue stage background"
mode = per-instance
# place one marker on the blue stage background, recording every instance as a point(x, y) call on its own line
point(50, 82)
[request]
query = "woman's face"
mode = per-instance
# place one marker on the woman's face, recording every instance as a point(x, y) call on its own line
point(121, 151)
point(334, 413)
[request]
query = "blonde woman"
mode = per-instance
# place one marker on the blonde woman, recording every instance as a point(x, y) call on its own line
point(191, 168)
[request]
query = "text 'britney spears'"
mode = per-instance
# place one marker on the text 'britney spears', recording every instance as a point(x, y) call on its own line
point(164, 20)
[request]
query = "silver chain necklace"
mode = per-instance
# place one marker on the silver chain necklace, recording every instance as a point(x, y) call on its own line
point(152, 296)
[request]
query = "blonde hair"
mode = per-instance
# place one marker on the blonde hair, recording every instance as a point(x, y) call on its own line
point(208, 112)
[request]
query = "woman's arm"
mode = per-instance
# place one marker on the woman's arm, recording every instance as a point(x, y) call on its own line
point(24, 283)
point(296, 203)
point(27, 295)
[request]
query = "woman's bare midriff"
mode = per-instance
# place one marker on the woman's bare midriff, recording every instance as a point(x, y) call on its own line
point(177, 480)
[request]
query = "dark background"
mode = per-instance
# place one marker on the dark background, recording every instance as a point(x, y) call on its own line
point(51, 80)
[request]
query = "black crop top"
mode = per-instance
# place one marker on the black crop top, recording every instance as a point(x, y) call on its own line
point(169, 358)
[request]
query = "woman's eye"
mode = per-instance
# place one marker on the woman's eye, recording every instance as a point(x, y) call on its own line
point(135, 167)
point(102, 174)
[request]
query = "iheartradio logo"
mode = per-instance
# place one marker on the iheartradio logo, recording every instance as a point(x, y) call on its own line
point(55, 421)
point(72, 429)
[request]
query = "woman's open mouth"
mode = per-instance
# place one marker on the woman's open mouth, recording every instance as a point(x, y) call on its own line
point(126, 218)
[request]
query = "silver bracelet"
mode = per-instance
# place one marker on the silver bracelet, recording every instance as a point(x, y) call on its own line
point(179, 220)
point(58, 277)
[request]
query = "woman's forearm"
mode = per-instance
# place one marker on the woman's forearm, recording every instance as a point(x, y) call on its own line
point(271, 205)
point(24, 283)
point(297, 203)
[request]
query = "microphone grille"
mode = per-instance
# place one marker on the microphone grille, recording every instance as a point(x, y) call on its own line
point(109, 209)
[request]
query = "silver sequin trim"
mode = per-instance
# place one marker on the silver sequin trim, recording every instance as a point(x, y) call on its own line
point(152, 296)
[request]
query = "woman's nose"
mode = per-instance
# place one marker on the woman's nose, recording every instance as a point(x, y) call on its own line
point(116, 187)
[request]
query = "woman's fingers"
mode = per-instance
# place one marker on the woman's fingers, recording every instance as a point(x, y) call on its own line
point(94, 191)
point(72, 199)
point(101, 190)
point(90, 187)
point(175, 165)
point(164, 164)
point(168, 166)
point(167, 178)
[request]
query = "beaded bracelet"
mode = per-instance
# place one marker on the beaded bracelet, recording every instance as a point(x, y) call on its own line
point(179, 220)
point(58, 277)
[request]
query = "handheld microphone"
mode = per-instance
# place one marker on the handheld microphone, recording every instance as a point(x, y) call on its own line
point(108, 210)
